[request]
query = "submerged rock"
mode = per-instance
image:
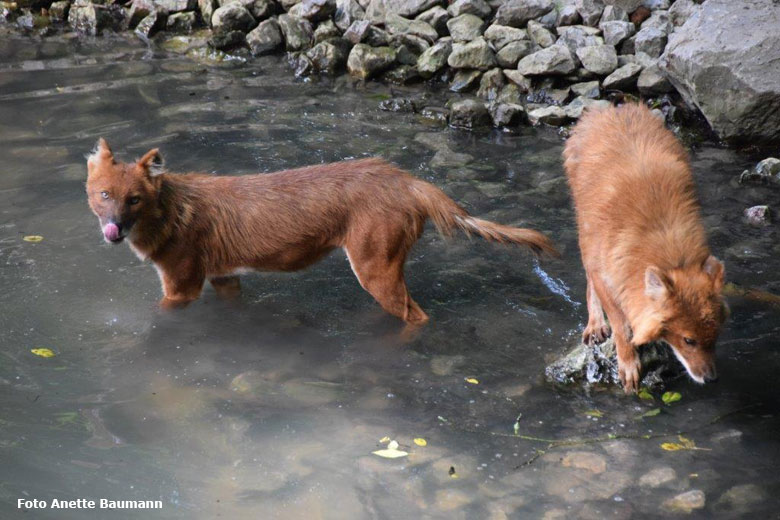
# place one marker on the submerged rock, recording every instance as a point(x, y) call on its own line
point(598, 365)
point(685, 502)
point(758, 215)
point(469, 114)
point(765, 171)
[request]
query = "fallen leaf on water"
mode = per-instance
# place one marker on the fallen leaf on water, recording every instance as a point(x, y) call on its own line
point(390, 454)
point(472, 380)
point(420, 441)
point(651, 413)
point(684, 444)
point(33, 238)
point(594, 413)
point(384, 439)
point(452, 472)
point(671, 397)
point(43, 352)
point(516, 426)
point(645, 394)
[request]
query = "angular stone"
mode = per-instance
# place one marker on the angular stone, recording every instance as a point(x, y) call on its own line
point(436, 17)
point(206, 8)
point(377, 10)
point(657, 477)
point(685, 502)
point(652, 82)
point(616, 32)
point(434, 59)
point(465, 28)
point(330, 56)
point(681, 10)
point(401, 75)
point(508, 114)
point(623, 78)
point(472, 55)
point(588, 89)
point(469, 114)
point(579, 104)
point(93, 19)
point(599, 59)
point(181, 22)
point(650, 41)
point(568, 15)
point(613, 13)
point(491, 84)
point(365, 61)
point(539, 34)
point(58, 11)
point(176, 6)
point(465, 80)
point(150, 24)
point(555, 60)
point(590, 11)
point(314, 10)
point(376, 37)
point(347, 12)
point(758, 215)
point(265, 38)
point(512, 94)
point(325, 31)
point(516, 13)
point(512, 53)
point(232, 17)
point(576, 36)
point(357, 31)
point(298, 33)
point(478, 8)
point(395, 24)
point(552, 115)
point(501, 35)
point(518, 79)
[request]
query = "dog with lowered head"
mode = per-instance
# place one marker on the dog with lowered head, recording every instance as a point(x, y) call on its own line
point(642, 241)
point(195, 227)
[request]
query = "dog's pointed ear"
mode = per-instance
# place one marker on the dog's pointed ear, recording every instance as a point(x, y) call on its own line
point(658, 286)
point(715, 270)
point(101, 154)
point(152, 163)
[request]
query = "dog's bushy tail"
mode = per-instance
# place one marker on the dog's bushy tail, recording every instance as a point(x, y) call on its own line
point(447, 216)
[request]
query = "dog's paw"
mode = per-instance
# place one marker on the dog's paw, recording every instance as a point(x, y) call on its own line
point(630, 374)
point(595, 334)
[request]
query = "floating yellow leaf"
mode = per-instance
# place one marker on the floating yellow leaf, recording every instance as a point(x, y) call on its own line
point(594, 413)
point(672, 446)
point(33, 238)
point(671, 397)
point(43, 352)
point(645, 394)
point(420, 441)
point(392, 451)
point(684, 444)
point(472, 380)
point(384, 439)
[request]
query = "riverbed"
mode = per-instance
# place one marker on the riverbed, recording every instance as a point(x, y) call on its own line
point(271, 406)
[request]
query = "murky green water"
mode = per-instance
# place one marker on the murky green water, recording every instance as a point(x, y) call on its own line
point(270, 407)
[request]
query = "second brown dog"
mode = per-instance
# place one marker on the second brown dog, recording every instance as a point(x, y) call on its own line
point(195, 227)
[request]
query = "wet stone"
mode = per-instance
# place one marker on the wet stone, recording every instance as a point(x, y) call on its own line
point(579, 104)
point(265, 38)
point(93, 19)
point(685, 502)
point(741, 498)
point(516, 13)
point(490, 84)
point(451, 499)
point(511, 94)
point(657, 477)
point(552, 115)
point(599, 59)
point(465, 80)
point(329, 57)
point(765, 171)
point(623, 78)
point(437, 18)
point(325, 31)
point(465, 28)
point(150, 24)
point(402, 75)
point(518, 79)
point(395, 25)
point(472, 55)
point(181, 22)
point(469, 114)
point(585, 460)
point(315, 10)
point(539, 34)
point(397, 105)
point(588, 89)
point(227, 40)
point(478, 8)
point(435, 58)
point(439, 115)
point(365, 61)
point(555, 60)
point(513, 52)
point(500, 35)
point(758, 215)
point(58, 11)
point(508, 114)
point(590, 11)
point(298, 33)
point(598, 364)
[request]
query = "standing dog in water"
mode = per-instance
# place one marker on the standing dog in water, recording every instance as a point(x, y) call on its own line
point(643, 245)
point(195, 227)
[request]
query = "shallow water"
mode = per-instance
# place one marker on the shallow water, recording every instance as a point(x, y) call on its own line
point(270, 407)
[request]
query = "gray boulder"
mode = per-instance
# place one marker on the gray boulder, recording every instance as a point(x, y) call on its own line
point(206, 8)
point(329, 56)
point(365, 61)
point(500, 35)
point(552, 115)
point(653, 82)
point(555, 60)
point(437, 18)
point(615, 32)
point(465, 28)
point(181, 22)
point(650, 41)
point(298, 33)
point(357, 31)
point(516, 13)
point(325, 31)
point(623, 78)
point(265, 38)
point(724, 61)
point(681, 10)
point(628, 6)
point(491, 84)
point(434, 59)
point(613, 14)
point(513, 52)
point(472, 55)
point(314, 10)
point(590, 11)
point(176, 6)
point(377, 10)
point(395, 25)
point(232, 17)
point(576, 36)
point(758, 215)
point(469, 114)
point(465, 80)
point(517, 79)
point(150, 24)
point(539, 34)
point(92, 19)
point(588, 89)
point(599, 59)
point(476, 7)
point(347, 12)
point(568, 15)
point(508, 114)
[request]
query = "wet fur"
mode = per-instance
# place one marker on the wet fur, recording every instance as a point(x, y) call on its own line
point(642, 241)
point(196, 227)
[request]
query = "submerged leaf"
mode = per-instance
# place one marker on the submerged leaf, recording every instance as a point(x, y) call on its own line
point(671, 397)
point(672, 446)
point(390, 454)
point(516, 426)
point(43, 352)
point(384, 439)
point(645, 394)
point(651, 413)
point(420, 441)
point(32, 238)
point(472, 380)
point(594, 413)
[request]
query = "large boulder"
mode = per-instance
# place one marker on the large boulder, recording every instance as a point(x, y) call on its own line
point(555, 60)
point(724, 60)
point(472, 55)
point(377, 10)
point(516, 13)
point(365, 61)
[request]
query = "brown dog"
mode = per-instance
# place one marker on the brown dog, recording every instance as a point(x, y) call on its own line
point(195, 227)
point(643, 245)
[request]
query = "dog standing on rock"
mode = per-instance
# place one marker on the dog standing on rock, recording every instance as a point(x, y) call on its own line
point(642, 241)
point(195, 227)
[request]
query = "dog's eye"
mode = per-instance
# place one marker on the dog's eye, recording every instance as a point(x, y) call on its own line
point(104, 194)
point(690, 341)
point(134, 200)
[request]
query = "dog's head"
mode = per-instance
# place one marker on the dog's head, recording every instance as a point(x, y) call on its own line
point(121, 193)
point(686, 310)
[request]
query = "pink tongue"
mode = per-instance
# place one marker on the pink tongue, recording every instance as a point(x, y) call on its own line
point(111, 231)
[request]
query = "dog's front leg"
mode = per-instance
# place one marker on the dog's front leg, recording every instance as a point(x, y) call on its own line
point(180, 286)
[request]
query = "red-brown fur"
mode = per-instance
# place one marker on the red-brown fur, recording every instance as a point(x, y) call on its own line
point(196, 227)
point(643, 245)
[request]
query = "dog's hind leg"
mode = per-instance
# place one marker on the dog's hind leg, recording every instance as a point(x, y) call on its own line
point(378, 264)
point(597, 329)
point(226, 286)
